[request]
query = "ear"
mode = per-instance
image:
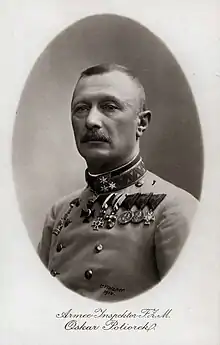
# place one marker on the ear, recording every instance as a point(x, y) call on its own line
point(144, 118)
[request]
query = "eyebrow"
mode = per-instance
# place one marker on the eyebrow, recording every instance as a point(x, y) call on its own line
point(103, 98)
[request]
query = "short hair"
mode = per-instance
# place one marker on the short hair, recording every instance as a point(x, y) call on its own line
point(106, 68)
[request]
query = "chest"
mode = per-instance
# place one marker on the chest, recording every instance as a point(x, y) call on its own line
point(126, 235)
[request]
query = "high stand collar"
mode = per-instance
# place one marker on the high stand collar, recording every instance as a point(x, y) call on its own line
point(118, 178)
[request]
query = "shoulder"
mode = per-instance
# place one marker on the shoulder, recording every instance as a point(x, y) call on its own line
point(176, 199)
point(62, 204)
point(173, 222)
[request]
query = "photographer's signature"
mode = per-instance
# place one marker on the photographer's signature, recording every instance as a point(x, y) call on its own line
point(111, 290)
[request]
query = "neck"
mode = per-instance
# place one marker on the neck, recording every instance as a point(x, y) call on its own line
point(98, 167)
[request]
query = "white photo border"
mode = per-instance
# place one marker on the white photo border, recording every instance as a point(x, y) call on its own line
point(30, 298)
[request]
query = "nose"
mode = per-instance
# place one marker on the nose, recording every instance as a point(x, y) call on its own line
point(94, 118)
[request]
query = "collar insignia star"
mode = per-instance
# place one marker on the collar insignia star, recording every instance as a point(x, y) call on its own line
point(112, 185)
point(105, 188)
point(103, 180)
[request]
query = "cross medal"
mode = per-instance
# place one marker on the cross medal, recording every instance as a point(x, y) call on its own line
point(98, 223)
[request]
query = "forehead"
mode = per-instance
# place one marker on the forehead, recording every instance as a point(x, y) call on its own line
point(115, 83)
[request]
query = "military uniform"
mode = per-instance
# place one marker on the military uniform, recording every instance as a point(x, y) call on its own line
point(119, 236)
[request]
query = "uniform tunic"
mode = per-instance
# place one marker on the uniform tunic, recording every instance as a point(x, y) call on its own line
point(126, 260)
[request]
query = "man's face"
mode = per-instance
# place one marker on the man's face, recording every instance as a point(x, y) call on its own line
point(104, 116)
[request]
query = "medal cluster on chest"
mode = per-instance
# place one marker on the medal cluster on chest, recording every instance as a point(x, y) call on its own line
point(114, 208)
point(123, 209)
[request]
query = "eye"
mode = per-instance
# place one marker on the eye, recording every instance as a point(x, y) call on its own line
point(108, 106)
point(81, 108)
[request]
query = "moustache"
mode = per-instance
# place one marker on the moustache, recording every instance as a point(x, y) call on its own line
point(95, 136)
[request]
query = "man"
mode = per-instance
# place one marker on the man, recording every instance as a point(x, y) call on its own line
point(121, 234)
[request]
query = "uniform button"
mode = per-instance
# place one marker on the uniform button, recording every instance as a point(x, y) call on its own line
point(88, 274)
point(98, 248)
point(59, 247)
point(139, 183)
point(53, 273)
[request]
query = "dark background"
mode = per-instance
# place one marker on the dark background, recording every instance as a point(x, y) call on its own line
point(46, 165)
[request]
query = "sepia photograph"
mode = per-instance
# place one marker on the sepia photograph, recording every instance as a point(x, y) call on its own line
point(107, 158)
point(109, 172)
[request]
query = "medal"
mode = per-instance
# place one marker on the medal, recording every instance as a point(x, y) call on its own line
point(98, 223)
point(111, 220)
point(149, 218)
point(141, 202)
point(138, 217)
point(116, 203)
point(125, 217)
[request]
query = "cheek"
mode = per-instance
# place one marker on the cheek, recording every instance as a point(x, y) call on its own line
point(77, 125)
point(126, 131)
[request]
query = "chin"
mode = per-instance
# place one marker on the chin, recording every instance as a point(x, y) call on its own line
point(95, 153)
